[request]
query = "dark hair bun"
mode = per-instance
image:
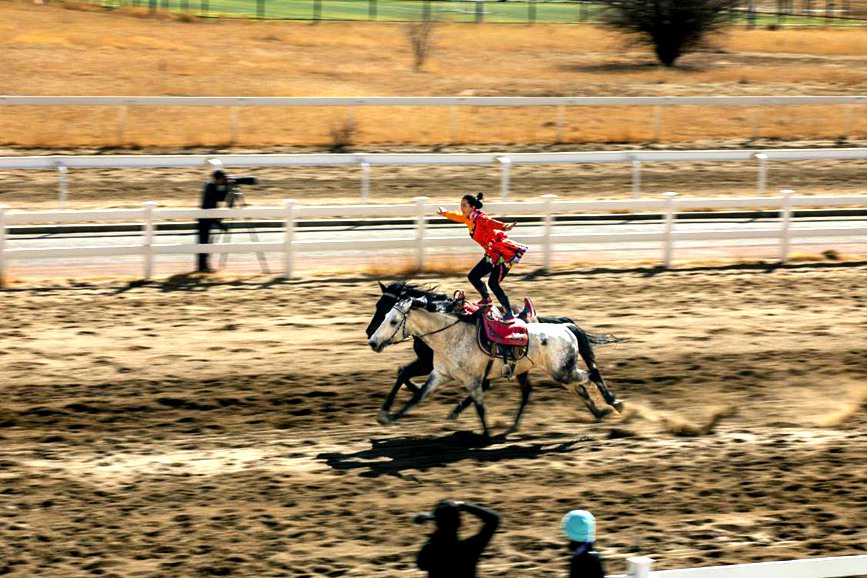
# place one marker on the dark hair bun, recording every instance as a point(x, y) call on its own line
point(480, 196)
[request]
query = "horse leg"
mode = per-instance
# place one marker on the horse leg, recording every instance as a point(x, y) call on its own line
point(585, 349)
point(478, 398)
point(465, 403)
point(414, 369)
point(571, 377)
point(526, 388)
point(433, 381)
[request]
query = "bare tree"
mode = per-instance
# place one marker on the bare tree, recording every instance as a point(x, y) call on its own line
point(672, 27)
point(420, 39)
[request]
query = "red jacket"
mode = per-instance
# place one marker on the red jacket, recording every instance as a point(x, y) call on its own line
point(488, 233)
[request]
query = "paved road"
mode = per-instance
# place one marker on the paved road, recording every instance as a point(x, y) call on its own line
point(747, 248)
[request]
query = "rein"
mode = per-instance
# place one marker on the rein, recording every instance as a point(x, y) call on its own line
point(402, 325)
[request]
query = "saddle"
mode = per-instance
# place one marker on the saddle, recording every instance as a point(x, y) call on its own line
point(498, 337)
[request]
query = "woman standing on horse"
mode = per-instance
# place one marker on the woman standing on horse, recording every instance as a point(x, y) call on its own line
point(501, 253)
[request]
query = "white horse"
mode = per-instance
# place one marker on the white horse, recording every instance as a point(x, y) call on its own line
point(552, 348)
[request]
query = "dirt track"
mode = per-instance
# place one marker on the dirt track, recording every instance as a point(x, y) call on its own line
point(195, 428)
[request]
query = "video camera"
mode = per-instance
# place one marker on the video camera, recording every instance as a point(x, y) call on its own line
point(235, 181)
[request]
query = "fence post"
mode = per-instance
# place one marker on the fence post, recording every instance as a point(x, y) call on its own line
point(847, 126)
point(668, 243)
point(421, 220)
point(546, 235)
point(636, 178)
point(506, 163)
point(785, 222)
point(260, 9)
point(148, 239)
point(365, 181)
point(121, 124)
point(657, 123)
point(639, 567)
point(288, 237)
point(561, 122)
point(454, 123)
point(480, 10)
point(371, 9)
point(235, 129)
point(3, 246)
point(317, 11)
point(756, 123)
point(64, 183)
point(763, 173)
point(531, 11)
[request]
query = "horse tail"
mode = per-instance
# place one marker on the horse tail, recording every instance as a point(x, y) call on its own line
point(593, 338)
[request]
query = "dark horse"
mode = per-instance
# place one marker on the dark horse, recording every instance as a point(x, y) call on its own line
point(423, 363)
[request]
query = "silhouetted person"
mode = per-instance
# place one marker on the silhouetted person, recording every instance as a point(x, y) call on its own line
point(214, 193)
point(580, 527)
point(445, 555)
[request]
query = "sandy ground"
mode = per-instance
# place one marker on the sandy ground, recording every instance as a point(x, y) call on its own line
point(225, 427)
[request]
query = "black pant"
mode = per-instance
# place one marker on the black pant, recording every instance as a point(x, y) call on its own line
point(205, 226)
point(497, 273)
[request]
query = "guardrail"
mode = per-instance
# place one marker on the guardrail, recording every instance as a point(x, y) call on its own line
point(833, 567)
point(365, 162)
point(783, 233)
point(560, 102)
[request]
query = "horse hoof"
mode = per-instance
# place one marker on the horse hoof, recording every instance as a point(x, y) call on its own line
point(384, 418)
point(618, 405)
point(600, 414)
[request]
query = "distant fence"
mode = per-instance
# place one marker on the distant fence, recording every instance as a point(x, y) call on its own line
point(750, 12)
point(422, 239)
point(559, 103)
point(365, 162)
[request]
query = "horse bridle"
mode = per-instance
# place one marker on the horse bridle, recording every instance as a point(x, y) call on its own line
point(402, 324)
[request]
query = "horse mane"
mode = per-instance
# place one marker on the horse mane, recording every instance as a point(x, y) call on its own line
point(427, 295)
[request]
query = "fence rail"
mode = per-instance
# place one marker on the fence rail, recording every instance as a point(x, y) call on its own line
point(62, 163)
point(833, 567)
point(421, 210)
point(559, 102)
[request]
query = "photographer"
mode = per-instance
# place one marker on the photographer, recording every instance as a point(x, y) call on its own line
point(214, 193)
point(445, 555)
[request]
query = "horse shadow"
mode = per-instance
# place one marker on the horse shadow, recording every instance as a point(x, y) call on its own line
point(393, 456)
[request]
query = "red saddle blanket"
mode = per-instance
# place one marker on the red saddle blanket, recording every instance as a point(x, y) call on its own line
point(512, 332)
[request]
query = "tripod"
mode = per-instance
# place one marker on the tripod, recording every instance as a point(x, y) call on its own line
point(236, 199)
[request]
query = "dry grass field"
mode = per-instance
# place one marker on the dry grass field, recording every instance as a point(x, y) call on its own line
point(54, 50)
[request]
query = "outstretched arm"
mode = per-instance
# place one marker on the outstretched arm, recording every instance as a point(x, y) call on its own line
point(452, 216)
point(490, 520)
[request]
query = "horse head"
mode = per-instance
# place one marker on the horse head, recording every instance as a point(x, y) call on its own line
point(390, 295)
point(393, 327)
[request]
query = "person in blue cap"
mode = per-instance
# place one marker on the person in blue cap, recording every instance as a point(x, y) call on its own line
point(580, 527)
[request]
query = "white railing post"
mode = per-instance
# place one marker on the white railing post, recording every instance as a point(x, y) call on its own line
point(3, 246)
point(506, 164)
point(421, 220)
point(63, 184)
point(561, 122)
point(546, 235)
point(763, 173)
point(148, 238)
point(121, 124)
point(215, 165)
point(365, 181)
point(454, 124)
point(639, 567)
point(785, 222)
point(657, 123)
point(235, 130)
point(636, 178)
point(668, 246)
point(288, 237)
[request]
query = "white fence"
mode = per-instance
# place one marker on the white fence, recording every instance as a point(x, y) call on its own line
point(809, 568)
point(560, 102)
point(365, 162)
point(667, 235)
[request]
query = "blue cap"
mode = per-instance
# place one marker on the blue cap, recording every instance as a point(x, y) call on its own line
point(579, 526)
